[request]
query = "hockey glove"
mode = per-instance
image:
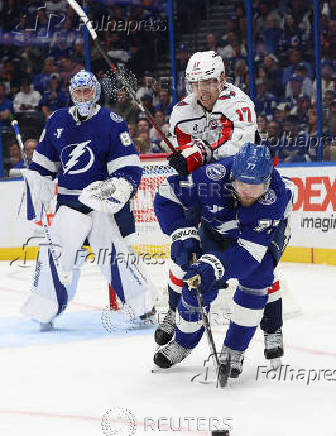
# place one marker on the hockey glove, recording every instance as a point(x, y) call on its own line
point(42, 190)
point(108, 196)
point(186, 241)
point(193, 156)
point(208, 268)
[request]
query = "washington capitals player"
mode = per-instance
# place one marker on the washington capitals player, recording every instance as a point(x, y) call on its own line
point(244, 206)
point(89, 149)
point(212, 122)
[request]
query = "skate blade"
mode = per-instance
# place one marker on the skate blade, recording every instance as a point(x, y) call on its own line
point(156, 369)
point(275, 363)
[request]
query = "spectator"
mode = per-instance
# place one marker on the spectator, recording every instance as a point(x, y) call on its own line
point(125, 108)
point(143, 126)
point(164, 103)
point(294, 89)
point(301, 109)
point(307, 83)
point(293, 144)
point(328, 82)
point(329, 152)
point(272, 32)
point(281, 112)
point(331, 126)
point(262, 123)
point(155, 137)
point(63, 39)
point(295, 58)
point(55, 98)
point(265, 102)
point(273, 136)
point(29, 146)
point(42, 80)
point(6, 108)
point(14, 154)
point(182, 57)
point(146, 85)
point(211, 44)
point(239, 76)
point(10, 77)
point(147, 101)
point(27, 99)
point(132, 127)
point(78, 53)
point(69, 68)
point(142, 143)
point(273, 74)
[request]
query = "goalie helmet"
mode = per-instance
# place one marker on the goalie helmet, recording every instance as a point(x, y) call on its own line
point(85, 92)
point(203, 66)
point(252, 164)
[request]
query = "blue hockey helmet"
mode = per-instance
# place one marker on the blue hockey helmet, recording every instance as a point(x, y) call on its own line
point(253, 164)
point(85, 92)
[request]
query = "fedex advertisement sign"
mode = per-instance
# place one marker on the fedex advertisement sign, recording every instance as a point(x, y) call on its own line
point(314, 209)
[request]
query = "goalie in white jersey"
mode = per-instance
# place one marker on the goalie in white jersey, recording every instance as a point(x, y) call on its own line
point(89, 149)
point(213, 121)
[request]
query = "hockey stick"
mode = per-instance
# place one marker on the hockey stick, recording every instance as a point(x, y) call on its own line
point(44, 217)
point(82, 15)
point(222, 370)
point(15, 125)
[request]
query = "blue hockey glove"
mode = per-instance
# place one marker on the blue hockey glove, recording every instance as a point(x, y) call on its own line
point(185, 242)
point(208, 268)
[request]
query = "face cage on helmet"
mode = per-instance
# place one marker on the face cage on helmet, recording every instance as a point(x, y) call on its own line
point(87, 107)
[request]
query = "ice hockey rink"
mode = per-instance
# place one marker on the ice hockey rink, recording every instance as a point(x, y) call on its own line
point(63, 382)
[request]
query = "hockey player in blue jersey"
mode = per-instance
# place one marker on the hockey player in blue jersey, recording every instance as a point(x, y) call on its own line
point(89, 149)
point(244, 206)
point(207, 126)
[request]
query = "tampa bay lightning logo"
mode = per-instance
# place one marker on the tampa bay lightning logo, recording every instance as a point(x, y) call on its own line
point(77, 158)
point(268, 198)
point(215, 171)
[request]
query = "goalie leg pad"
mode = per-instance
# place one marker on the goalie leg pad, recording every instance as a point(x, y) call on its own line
point(120, 265)
point(49, 297)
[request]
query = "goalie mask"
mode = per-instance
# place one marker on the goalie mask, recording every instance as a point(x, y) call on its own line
point(85, 92)
point(203, 66)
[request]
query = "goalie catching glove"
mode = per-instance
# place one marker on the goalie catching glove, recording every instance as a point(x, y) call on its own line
point(108, 196)
point(192, 156)
point(185, 242)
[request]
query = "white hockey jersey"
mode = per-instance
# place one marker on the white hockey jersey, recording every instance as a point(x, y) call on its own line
point(230, 124)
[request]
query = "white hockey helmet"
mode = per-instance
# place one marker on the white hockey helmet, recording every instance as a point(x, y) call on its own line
point(84, 80)
point(204, 65)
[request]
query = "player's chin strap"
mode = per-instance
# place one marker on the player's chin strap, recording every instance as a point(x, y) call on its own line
point(73, 111)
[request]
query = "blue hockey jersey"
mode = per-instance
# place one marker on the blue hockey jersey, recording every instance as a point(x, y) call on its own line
point(208, 192)
point(79, 153)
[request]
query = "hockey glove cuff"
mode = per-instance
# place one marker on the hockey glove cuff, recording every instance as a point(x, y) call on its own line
point(193, 156)
point(185, 242)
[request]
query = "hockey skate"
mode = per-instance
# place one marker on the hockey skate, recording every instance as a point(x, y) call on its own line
point(274, 348)
point(46, 326)
point(170, 355)
point(230, 364)
point(165, 331)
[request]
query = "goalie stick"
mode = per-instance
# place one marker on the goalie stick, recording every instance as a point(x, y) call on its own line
point(44, 217)
point(82, 15)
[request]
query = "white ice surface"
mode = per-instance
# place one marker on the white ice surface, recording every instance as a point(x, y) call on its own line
point(62, 382)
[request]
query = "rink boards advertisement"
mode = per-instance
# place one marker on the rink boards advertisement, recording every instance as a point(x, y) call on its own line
point(313, 220)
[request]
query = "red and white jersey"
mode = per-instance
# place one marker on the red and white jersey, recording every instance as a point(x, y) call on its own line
point(230, 124)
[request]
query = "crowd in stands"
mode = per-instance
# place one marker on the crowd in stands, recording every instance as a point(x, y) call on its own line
point(42, 46)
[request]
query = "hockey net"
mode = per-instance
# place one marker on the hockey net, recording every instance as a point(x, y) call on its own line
point(153, 247)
